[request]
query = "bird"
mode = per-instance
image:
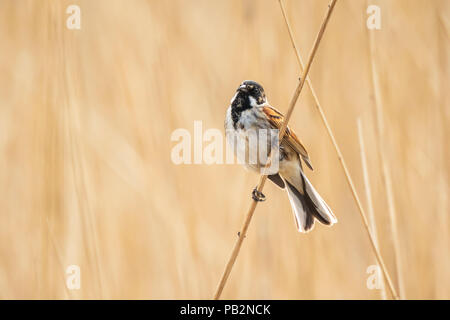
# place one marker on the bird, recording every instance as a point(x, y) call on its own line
point(250, 112)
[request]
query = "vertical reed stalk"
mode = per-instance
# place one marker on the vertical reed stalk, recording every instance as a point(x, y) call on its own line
point(368, 190)
point(383, 159)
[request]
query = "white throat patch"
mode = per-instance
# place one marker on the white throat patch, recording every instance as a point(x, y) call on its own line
point(253, 102)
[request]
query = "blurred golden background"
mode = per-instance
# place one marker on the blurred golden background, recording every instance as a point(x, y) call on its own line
point(86, 176)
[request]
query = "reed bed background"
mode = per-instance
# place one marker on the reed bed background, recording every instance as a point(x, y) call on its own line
point(86, 176)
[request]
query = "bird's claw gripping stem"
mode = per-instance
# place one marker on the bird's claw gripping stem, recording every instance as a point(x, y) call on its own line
point(258, 195)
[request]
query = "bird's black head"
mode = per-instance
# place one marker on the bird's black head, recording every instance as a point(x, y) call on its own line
point(253, 91)
point(250, 94)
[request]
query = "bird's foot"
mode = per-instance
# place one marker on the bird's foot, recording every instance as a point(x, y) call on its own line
point(258, 195)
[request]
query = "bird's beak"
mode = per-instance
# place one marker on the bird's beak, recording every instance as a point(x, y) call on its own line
point(242, 88)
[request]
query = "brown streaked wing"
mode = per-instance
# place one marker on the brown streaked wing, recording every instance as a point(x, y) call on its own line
point(276, 120)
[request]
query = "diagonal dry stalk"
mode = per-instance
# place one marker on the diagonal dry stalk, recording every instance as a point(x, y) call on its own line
point(342, 161)
point(263, 178)
point(368, 190)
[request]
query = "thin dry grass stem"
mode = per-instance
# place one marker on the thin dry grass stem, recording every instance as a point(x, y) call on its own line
point(71, 119)
point(263, 177)
point(87, 219)
point(342, 161)
point(368, 190)
point(384, 162)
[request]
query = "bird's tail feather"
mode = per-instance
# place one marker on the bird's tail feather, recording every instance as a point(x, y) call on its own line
point(308, 206)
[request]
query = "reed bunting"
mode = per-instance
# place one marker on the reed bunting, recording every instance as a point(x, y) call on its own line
point(250, 111)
